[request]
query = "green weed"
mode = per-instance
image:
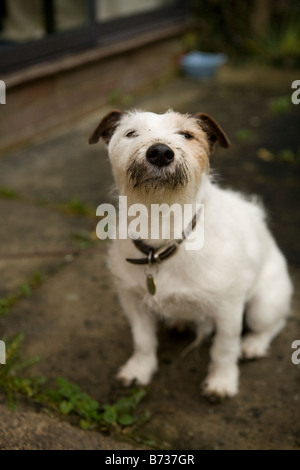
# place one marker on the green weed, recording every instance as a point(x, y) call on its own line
point(284, 156)
point(83, 239)
point(6, 303)
point(12, 381)
point(8, 193)
point(122, 412)
point(24, 290)
point(76, 207)
point(244, 134)
point(67, 398)
point(280, 105)
point(116, 97)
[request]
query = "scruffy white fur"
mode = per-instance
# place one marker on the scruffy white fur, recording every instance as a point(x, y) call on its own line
point(239, 269)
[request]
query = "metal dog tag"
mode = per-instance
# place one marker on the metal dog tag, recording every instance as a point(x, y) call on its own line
point(151, 284)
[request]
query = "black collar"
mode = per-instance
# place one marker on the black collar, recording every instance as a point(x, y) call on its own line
point(163, 252)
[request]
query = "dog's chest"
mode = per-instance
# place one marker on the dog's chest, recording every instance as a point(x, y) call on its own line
point(175, 305)
point(179, 292)
point(183, 284)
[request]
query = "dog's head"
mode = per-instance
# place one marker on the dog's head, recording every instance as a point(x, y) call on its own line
point(158, 152)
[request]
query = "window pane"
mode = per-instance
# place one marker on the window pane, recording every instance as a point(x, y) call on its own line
point(112, 9)
point(22, 21)
point(70, 14)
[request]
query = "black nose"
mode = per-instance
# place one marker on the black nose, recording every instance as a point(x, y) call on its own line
point(160, 155)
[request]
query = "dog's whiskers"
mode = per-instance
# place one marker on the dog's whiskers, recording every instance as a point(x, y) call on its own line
point(141, 176)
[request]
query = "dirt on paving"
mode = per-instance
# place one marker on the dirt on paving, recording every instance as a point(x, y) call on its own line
point(73, 320)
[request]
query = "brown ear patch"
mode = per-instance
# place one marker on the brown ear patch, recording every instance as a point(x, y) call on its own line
point(106, 127)
point(213, 130)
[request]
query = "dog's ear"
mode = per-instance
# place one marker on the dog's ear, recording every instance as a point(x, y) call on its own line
point(106, 127)
point(213, 131)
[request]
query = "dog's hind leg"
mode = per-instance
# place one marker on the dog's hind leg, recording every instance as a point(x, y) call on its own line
point(267, 311)
point(266, 316)
point(141, 366)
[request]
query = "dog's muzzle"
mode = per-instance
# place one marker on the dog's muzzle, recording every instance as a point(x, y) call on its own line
point(158, 169)
point(160, 155)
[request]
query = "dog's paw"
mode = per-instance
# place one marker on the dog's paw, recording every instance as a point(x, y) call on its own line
point(221, 384)
point(138, 369)
point(254, 346)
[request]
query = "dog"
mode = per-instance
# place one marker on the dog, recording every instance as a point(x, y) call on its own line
point(238, 272)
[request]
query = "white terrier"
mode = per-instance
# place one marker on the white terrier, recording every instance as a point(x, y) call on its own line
point(164, 158)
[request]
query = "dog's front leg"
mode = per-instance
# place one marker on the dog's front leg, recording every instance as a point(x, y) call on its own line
point(222, 379)
point(141, 366)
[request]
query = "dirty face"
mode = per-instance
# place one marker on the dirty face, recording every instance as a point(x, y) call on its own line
point(158, 152)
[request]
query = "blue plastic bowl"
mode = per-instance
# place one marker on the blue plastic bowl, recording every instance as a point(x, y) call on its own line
point(202, 64)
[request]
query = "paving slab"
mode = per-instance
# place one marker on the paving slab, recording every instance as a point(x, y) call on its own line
point(59, 170)
point(35, 239)
point(73, 319)
point(28, 430)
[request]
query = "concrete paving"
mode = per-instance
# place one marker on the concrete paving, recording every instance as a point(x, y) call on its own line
point(73, 319)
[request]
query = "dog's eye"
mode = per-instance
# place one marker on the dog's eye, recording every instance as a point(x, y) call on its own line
point(186, 135)
point(131, 134)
